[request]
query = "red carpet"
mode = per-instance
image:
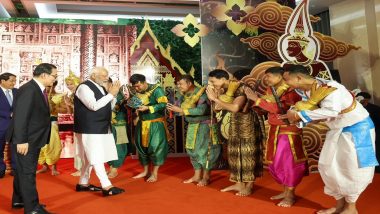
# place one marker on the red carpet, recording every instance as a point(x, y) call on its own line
point(170, 195)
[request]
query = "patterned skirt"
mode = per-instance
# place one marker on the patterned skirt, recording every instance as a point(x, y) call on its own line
point(245, 147)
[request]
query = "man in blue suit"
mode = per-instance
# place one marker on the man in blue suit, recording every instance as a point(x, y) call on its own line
point(7, 93)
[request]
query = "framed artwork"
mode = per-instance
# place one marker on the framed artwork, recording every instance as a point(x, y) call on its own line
point(112, 40)
point(20, 39)
point(65, 40)
point(52, 39)
point(6, 39)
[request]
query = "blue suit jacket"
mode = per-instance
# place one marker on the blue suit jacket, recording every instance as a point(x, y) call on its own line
point(5, 112)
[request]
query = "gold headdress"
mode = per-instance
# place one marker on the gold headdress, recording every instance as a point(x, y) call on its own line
point(73, 78)
point(299, 33)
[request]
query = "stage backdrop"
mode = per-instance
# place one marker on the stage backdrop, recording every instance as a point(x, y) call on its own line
point(247, 34)
point(124, 47)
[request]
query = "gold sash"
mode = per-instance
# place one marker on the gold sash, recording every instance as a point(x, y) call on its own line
point(145, 127)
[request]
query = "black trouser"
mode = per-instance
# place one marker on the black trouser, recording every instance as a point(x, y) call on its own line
point(24, 183)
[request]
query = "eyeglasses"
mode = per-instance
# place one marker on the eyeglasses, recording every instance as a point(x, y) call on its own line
point(55, 76)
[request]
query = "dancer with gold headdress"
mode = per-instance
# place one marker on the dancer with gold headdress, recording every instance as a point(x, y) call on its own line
point(347, 160)
point(245, 142)
point(285, 153)
point(51, 152)
point(72, 82)
point(151, 133)
point(201, 139)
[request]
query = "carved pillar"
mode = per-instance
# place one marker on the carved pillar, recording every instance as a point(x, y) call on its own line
point(131, 33)
point(88, 50)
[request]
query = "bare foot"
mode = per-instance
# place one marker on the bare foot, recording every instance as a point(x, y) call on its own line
point(279, 196)
point(328, 211)
point(244, 192)
point(349, 211)
point(55, 172)
point(287, 202)
point(191, 180)
point(43, 169)
point(141, 175)
point(236, 187)
point(152, 179)
point(76, 174)
point(203, 182)
point(112, 173)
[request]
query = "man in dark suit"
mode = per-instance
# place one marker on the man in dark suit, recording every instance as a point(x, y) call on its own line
point(7, 93)
point(28, 132)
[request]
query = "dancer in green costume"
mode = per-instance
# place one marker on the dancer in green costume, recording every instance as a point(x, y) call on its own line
point(119, 131)
point(201, 140)
point(151, 132)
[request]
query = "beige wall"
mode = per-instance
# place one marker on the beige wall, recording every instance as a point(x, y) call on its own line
point(358, 22)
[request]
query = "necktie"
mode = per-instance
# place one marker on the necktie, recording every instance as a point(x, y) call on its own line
point(46, 97)
point(9, 97)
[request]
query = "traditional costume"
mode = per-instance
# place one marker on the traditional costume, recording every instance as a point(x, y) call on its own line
point(347, 159)
point(119, 130)
point(51, 152)
point(151, 132)
point(285, 153)
point(245, 141)
point(202, 143)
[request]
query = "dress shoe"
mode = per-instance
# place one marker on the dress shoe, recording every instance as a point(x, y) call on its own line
point(17, 205)
point(39, 210)
point(2, 173)
point(112, 191)
point(20, 205)
point(92, 188)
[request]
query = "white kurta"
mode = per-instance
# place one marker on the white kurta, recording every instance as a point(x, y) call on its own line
point(97, 148)
point(338, 162)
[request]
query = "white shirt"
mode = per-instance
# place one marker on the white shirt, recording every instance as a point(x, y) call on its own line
point(42, 87)
point(5, 91)
point(87, 97)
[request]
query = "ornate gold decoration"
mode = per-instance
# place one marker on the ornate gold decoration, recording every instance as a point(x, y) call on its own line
point(192, 71)
point(317, 94)
point(73, 78)
point(228, 97)
point(191, 40)
point(147, 59)
point(233, 13)
point(279, 91)
point(266, 44)
point(165, 52)
point(332, 48)
point(298, 45)
point(144, 97)
point(168, 81)
point(271, 16)
point(225, 123)
point(191, 101)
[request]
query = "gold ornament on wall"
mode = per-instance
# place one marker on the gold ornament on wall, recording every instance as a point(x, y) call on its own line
point(191, 29)
point(233, 12)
